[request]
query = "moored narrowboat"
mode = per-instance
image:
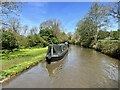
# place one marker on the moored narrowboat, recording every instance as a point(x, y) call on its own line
point(56, 52)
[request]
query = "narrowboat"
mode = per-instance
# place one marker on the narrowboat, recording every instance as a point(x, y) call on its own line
point(56, 52)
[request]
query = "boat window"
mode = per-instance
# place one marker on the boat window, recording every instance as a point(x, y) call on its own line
point(49, 50)
point(63, 47)
point(57, 49)
point(54, 52)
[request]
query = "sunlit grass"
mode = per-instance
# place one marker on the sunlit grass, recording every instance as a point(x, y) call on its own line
point(17, 61)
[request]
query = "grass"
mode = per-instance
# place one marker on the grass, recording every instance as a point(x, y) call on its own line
point(110, 40)
point(15, 62)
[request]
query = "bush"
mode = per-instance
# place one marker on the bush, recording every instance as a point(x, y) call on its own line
point(109, 47)
point(86, 43)
point(9, 40)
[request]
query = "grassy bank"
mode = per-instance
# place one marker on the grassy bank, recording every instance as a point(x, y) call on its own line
point(109, 47)
point(15, 62)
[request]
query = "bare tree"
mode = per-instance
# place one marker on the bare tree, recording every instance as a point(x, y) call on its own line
point(14, 25)
point(114, 9)
point(98, 16)
point(8, 10)
point(54, 25)
point(24, 30)
point(33, 31)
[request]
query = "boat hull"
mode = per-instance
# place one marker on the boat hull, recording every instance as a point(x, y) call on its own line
point(52, 59)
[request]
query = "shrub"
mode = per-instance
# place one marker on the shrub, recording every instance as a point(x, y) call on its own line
point(9, 40)
point(109, 47)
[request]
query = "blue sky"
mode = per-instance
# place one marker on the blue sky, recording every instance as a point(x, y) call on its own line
point(69, 13)
point(33, 13)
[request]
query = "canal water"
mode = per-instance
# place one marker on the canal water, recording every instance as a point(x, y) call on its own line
point(80, 68)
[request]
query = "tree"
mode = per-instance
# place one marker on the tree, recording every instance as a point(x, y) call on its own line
point(9, 40)
point(47, 35)
point(84, 29)
point(64, 37)
point(53, 25)
point(53, 31)
point(25, 29)
point(69, 34)
point(114, 10)
point(9, 9)
point(14, 25)
point(114, 35)
point(98, 14)
point(95, 20)
point(36, 40)
point(103, 34)
point(76, 38)
point(33, 31)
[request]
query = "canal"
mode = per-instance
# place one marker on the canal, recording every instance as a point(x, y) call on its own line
point(80, 68)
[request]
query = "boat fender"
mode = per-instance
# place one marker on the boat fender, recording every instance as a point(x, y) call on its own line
point(49, 57)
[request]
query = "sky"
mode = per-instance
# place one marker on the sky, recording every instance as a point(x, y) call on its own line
point(34, 13)
point(68, 13)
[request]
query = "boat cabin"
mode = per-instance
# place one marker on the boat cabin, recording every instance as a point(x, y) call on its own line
point(56, 52)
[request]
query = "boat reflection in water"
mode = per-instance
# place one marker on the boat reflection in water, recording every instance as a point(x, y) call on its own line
point(54, 68)
point(56, 52)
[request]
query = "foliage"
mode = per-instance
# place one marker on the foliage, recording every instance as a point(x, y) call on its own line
point(115, 35)
point(69, 34)
point(50, 31)
point(103, 34)
point(93, 26)
point(109, 47)
point(84, 28)
point(9, 40)
point(22, 41)
point(98, 15)
point(48, 36)
point(36, 40)
point(91, 30)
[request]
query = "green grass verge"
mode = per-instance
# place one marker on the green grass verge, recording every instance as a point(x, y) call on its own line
point(18, 61)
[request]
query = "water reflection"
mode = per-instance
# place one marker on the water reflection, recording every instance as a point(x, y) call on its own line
point(54, 68)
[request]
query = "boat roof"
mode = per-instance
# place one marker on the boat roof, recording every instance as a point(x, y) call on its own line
point(60, 44)
point(56, 44)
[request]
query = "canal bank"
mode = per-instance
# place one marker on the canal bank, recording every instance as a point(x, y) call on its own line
point(14, 63)
point(81, 68)
point(108, 47)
